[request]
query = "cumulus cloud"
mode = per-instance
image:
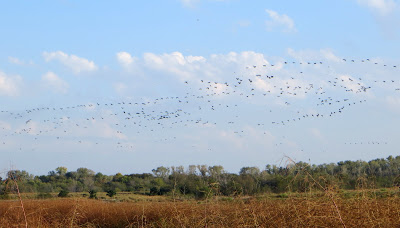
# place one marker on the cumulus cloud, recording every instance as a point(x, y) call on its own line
point(313, 55)
point(183, 67)
point(317, 133)
point(106, 131)
point(18, 61)
point(5, 125)
point(244, 23)
point(219, 68)
point(280, 21)
point(393, 102)
point(174, 63)
point(120, 87)
point(189, 3)
point(75, 63)
point(125, 59)
point(382, 7)
point(386, 14)
point(55, 83)
point(15, 60)
point(93, 128)
point(162, 69)
point(9, 85)
point(350, 83)
point(193, 3)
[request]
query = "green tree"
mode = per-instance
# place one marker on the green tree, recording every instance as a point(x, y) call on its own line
point(252, 171)
point(111, 193)
point(61, 171)
point(162, 172)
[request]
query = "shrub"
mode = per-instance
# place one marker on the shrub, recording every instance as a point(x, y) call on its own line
point(111, 193)
point(4, 194)
point(63, 193)
point(165, 189)
point(154, 191)
point(92, 194)
point(202, 192)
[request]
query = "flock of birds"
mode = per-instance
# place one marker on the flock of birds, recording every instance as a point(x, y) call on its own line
point(290, 91)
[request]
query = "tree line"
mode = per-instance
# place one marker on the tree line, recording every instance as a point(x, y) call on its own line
point(200, 181)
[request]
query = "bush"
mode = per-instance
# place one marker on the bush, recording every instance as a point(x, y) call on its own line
point(154, 191)
point(202, 193)
point(111, 193)
point(63, 193)
point(160, 190)
point(165, 189)
point(92, 194)
point(4, 194)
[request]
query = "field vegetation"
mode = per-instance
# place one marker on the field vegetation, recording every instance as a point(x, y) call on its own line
point(346, 194)
point(199, 181)
point(350, 208)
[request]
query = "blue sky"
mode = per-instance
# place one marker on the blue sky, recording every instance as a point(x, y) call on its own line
point(82, 63)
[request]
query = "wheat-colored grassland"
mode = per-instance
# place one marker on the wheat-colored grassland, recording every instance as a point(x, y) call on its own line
point(366, 208)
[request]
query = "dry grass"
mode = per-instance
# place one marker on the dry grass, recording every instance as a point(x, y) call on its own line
point(120, 197)
point(304, 210)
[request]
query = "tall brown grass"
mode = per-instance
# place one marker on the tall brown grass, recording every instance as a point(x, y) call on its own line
point(322, 204)
point(297, 210)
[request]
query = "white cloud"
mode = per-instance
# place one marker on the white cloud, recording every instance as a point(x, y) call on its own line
point(106, 131)
point(102, 129)
point(189, 3)
point(161, 69)
point(184, 67)
point(175, 64)
point(393, 102)
point(382, 7)
point(92, 128)
point(317, 133)
point(282, 21)
point(215, 67)
point(73, 62)
point(189, 66)
point(9, 85)
point(54, 82)
point(386, 14)
point(15, 60)
point(120, 87)
point(351, 83)
point(125, 59)
point(193, 3)
point(5, 125)
point(313, 55)
point(244, 23)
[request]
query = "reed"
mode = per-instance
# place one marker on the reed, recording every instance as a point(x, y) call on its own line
point(297, 210)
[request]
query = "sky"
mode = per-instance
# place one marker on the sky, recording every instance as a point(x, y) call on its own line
point(128, 86)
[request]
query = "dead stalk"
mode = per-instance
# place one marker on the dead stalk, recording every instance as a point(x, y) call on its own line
point(20, 200)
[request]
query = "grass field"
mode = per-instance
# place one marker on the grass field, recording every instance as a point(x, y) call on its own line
point(378, 208)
